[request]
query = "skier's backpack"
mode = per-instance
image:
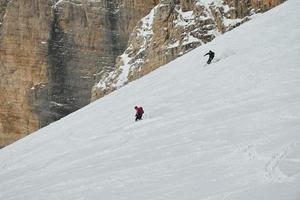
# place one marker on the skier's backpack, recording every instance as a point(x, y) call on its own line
point(141, 111)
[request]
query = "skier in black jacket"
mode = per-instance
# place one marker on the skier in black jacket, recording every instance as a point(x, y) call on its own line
point(211, 56)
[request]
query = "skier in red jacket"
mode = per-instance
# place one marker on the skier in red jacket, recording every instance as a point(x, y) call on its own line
point(139, 113)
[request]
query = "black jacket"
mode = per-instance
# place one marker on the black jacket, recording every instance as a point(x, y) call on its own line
point(211, 54)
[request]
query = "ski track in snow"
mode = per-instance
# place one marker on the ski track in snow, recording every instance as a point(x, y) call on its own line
point(273, 172)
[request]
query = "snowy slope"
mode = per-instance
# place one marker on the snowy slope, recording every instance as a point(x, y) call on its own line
point(227, 131)
point(189, 25)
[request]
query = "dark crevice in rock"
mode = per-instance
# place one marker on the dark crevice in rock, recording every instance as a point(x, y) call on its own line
point(55, 100)
point(60, 52)
point(112, 19)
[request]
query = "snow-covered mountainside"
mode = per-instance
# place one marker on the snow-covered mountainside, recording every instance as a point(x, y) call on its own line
point(173, 28)
point(225, 131)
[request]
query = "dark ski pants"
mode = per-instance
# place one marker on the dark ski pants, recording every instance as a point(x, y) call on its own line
point(138, 117)
point(209, 60)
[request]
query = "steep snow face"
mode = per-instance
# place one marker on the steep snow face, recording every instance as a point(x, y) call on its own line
point(169, 31)
point(228, 130)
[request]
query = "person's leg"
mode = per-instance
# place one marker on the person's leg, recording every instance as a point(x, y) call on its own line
point(138, 117)
point(209, 60)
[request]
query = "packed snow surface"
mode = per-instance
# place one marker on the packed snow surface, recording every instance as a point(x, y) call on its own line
point(225, 131)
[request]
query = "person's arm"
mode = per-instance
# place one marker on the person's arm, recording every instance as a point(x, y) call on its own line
point(206, 54)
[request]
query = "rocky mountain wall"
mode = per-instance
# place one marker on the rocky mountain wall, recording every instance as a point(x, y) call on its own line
point(23, 64)
point(52, 52)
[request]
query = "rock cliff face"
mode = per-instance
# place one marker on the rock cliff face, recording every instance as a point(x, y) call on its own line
point(52, 52)
point(173, 28)
point(23, 62)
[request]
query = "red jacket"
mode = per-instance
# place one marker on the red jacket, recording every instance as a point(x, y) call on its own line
point(139, 111)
